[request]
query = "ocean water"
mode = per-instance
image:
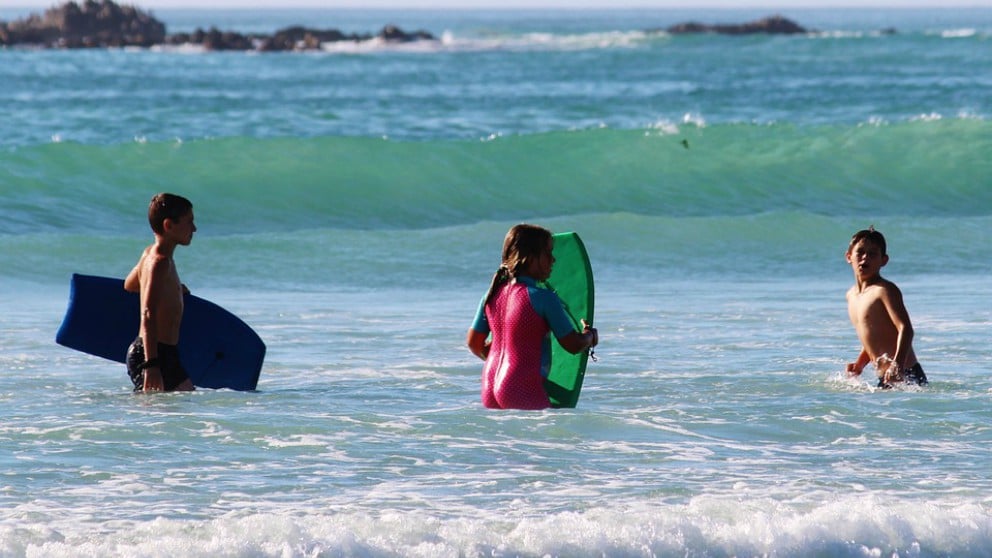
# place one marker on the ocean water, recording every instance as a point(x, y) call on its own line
point(351, 205)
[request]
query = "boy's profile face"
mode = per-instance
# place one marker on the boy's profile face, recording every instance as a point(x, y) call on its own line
point(181, 229)
point(866, 259)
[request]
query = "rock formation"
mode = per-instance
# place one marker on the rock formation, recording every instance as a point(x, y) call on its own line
point(102, 24)
point(92, 24)
point(775, 25)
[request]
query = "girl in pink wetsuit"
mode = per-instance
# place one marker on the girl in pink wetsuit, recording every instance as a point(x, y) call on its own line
point(519, 315)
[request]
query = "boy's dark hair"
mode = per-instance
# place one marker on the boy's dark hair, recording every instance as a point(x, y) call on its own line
point(166, 206)
point(868, 235)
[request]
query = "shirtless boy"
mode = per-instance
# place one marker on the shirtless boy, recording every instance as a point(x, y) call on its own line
point(153, 358)
point(879, 316)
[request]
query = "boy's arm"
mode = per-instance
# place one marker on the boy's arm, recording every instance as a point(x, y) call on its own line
point(132, 283)
point(892, 298)
point(151, 295)
point(855, 368)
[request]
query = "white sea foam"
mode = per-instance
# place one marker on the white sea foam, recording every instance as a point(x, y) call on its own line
point(852, 525)
point(450, 41)
point(958, 33)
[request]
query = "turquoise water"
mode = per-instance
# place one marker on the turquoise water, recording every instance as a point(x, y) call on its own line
point(351, 206)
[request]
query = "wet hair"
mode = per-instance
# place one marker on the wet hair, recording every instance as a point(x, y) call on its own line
point(869, 235)
point(166, 206)
point(523, 244)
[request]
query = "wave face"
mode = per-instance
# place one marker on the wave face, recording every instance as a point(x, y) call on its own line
point(915, 169)
point(724, 193)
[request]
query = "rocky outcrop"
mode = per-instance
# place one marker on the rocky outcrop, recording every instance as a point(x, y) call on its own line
point(774, 25)
point(94, 24)
point(90, 24)
point(291, 38)
point(393, 34)
point(302, 38)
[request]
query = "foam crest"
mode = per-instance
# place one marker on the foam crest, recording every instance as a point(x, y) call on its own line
point(707, 526)
point(544, 41)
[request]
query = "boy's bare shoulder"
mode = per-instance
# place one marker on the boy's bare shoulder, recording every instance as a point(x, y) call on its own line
point(893, 296)
point(877, 288)
point(887, 286)
point(156, 263)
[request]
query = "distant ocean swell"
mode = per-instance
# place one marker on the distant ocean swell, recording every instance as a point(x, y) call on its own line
point(914, 169)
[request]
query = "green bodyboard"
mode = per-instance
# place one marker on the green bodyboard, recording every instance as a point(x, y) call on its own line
point(571, 278)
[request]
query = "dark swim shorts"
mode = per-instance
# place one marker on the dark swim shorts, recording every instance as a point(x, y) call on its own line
point(913, 374)
point(172, 370)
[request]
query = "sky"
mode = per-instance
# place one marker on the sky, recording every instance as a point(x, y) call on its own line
point(463, 4)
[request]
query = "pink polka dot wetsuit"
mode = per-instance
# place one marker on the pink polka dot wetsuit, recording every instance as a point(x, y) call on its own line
point(519, 316)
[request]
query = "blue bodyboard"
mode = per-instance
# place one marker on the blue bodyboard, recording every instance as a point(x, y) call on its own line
point(217, 349)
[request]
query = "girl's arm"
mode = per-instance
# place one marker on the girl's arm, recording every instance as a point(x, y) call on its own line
point(478, 343)
point(576, 342)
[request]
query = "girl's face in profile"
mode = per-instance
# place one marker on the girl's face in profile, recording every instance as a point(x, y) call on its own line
point(540, 268)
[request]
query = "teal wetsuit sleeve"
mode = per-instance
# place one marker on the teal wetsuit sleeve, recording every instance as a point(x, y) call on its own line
point(481, 323)
point(547, 305)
